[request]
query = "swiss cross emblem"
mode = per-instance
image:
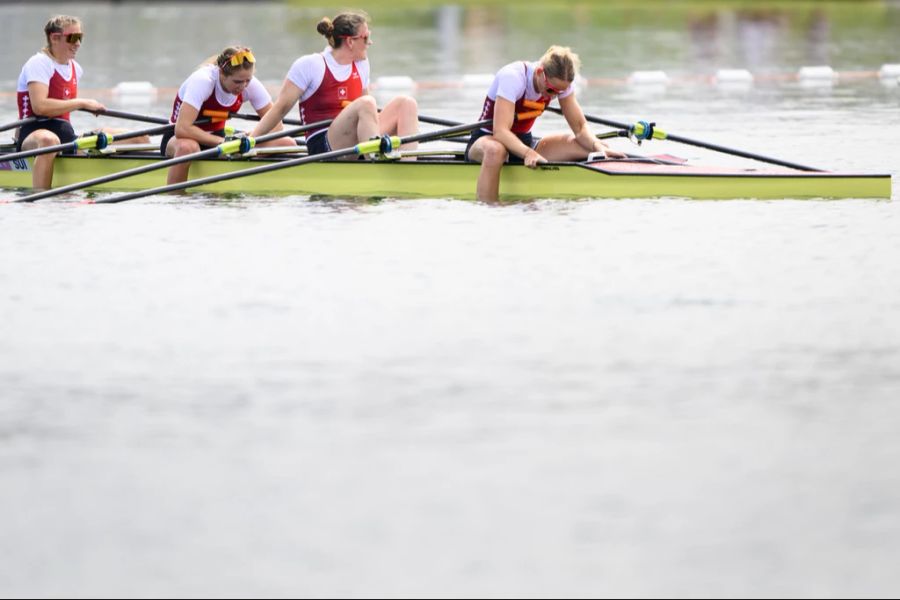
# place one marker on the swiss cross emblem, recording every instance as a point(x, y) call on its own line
point(342, 92)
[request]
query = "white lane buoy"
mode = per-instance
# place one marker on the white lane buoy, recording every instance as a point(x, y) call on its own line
point(654, 78)
point(395, 82)
point(733, 77)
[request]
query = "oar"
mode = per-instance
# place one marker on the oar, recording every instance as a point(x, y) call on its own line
point(230, 147)
point(217, 115)
point(464, 140)
point(92, 142)
point(221, 115)
point(119, 114)
point(18, 123)
point(645, 131)
point(108, 113)
point(384, 144)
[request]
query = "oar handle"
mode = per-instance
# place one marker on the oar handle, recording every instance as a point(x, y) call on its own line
point(700, 144)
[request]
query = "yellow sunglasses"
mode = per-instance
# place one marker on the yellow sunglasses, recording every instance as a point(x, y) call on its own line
point(239, 58)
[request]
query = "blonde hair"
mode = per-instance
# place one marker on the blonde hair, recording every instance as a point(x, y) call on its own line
point(57, 24)
point(559, 62)
point(344, 25)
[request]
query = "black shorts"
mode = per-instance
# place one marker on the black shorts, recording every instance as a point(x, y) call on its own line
point(171, 133)
point(526, 138)
point(59, 127)
point(318, 144)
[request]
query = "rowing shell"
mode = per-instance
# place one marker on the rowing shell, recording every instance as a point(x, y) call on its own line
point(436, 177)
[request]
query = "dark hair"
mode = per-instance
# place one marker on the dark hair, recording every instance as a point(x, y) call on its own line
point(342, 26)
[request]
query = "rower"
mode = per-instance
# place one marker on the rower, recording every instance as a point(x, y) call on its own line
point(220, 86)
point(48, 89)
point(333, 84)
point(517, 97)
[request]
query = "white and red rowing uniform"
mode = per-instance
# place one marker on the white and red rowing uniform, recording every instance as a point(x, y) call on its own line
point(61, 81)
point(204, 91)
point(327, 86)
point(515, 82)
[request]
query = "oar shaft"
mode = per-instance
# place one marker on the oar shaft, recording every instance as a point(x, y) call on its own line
point(18, 123)
point(109, 113)
point(438, 121)
point(222, 115)
point(741, 153)
point(119, 114)
point(701, 144)
point(289, 163)
point(127, 135)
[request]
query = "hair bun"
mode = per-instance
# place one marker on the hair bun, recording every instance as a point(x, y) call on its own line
point(325, 27)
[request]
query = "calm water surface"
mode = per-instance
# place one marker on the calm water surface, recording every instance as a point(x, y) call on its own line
point(340, 397)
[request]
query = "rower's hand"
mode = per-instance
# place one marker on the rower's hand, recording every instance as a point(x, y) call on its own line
point(533, 159)
point(92, 105)
point(610, 153)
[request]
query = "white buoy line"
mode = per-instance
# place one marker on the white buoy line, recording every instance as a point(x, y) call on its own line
point(807, 76)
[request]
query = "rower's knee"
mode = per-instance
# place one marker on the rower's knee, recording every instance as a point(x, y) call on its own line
point(186, 146)
point(42, 138)
point(494, 154)
point(408, 104)
point(367, 105)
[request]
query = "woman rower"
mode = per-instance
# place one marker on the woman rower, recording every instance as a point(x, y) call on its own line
point(518, 95)
point(48, 89)
point(221, 85)
point(333, 84)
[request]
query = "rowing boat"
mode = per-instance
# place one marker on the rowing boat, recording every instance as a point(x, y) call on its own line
point(447, 176)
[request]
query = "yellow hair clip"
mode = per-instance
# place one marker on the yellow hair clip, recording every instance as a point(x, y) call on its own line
point(239, 58)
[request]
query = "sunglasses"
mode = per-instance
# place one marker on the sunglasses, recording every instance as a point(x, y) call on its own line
point(365, 38)
point(239, 58)
point(550, 88)
point(72, 38)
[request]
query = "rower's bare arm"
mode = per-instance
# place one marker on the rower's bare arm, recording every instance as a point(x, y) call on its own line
point(185, 128)
point(264, 110)
point(574, 115)
point(504, 117)
point(287, 98)
point(45, 106)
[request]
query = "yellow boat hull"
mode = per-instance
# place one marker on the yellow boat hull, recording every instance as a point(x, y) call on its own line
point(456, 179)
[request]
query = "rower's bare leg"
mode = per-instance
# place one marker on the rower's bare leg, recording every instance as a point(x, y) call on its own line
point(42, 176)
point(492, 155)
point(561, 147)
point(356, 123)
point(180, 147)
point(278, 142)
point(564, 147)
point(400, 117)
point(143, 139)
